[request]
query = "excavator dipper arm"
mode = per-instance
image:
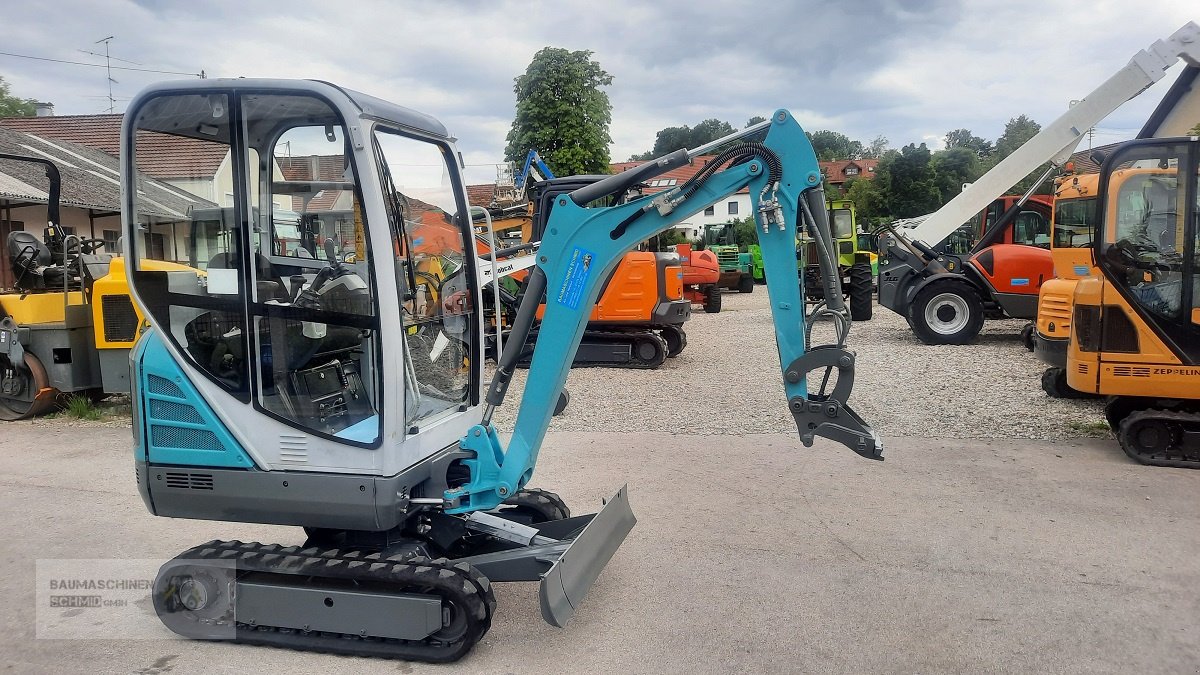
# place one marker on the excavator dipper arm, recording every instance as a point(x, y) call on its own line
point(584, 242)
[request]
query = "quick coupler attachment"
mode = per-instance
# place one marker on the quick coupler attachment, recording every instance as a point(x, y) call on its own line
point(828, 414)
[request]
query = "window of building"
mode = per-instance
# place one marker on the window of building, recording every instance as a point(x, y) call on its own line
point(155, 246)
point(711, 210)
point(112, 240)
point(733, 208)
point(852, 171)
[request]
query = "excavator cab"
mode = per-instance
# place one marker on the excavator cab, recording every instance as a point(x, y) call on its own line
point(1136, 329)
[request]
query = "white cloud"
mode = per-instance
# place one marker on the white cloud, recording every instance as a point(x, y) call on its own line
point(909, 71)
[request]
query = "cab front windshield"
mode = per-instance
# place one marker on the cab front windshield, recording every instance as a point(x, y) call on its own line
point(843, 224)
point(1150, 230)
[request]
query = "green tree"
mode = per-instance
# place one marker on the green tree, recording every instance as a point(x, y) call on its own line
point(708, 131)
point(908, 182)
point(953, 167)
point(868, 200)
point(562, 113)
point(963, 138)
point(1019, 130)
point(754, 120)
point(1194, 131)
point(14, 106)
point(744, 231)
point(677, 138)
point(831, 146)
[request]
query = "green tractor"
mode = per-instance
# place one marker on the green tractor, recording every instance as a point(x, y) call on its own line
point(857, 261)
point(736, 266)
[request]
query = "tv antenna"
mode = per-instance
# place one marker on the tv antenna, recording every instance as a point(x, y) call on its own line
point(108, 59)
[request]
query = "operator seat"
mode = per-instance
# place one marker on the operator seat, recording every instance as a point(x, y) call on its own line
point(31, 262)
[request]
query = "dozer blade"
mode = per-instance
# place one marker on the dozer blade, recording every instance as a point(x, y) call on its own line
point(567, 582)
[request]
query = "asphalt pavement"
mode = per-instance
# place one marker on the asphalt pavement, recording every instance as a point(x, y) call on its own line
point(751, 554)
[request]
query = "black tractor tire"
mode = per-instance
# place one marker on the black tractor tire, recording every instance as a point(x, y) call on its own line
point(745, 284)
point(947, 313)
point(676, 340)
point(1027, 336)
point(712, 299)
point(762, 279)
point(862, 297)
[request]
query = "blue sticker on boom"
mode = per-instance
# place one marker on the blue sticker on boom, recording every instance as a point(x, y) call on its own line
point(1083, 270)
point(1019, 282)
point(578, 271)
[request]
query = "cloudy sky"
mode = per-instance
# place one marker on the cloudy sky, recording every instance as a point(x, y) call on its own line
point(910, 70)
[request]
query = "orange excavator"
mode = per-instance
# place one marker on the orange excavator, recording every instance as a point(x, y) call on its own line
point(638, 320)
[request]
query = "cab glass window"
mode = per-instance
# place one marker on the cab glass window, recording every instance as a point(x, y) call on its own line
point(184, 240)
point(843, 224)
point(1074, 222)
point(315, 328)
point(262, 279)
point(1032, 229)
point(1145, 227)
point(432, 262)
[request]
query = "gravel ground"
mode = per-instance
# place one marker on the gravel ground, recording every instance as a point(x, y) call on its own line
point(727, 381)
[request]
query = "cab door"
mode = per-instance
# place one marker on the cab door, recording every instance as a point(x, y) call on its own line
point(1149, 244)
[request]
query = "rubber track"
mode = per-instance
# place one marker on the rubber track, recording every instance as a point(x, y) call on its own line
point(625, 336)
point(459, 581)
point(1186, 459)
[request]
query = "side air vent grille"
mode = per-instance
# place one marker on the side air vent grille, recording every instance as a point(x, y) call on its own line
point(186, 439)
point(189, 481)
point(1082, 368)
point(163, 387)
point(1131, 371)
point(174, 412)
point(120, 320)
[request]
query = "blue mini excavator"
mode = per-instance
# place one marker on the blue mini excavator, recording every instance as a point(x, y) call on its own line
point(337, 384)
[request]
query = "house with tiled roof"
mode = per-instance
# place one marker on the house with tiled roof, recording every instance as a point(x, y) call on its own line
point(733, 207)
point(1085, 161)
point(195, 165)
point(90, 196)
point(838, 174)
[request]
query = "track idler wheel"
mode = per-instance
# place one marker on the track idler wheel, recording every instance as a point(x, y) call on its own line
point(31, 380)
point(676, 340)
point(649, 351)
